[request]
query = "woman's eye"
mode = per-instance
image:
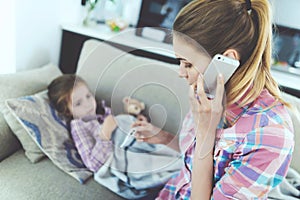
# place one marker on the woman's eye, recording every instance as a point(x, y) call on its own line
point(187, 65)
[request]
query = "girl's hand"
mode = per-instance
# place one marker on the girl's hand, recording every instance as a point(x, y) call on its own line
point(206, 112)
point(146, 132)
point(141, 117)
point(108, 127)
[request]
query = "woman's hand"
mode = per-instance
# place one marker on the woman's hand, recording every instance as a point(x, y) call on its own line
point(108, 127)
point(206, 112)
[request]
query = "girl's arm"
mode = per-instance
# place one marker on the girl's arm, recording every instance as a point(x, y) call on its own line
point(92, 149)
point(108, 126)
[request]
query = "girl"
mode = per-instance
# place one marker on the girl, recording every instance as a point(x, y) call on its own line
point(240, 149)
point(71, 97)
point(132, 170)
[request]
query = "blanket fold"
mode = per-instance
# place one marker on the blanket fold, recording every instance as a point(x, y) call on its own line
point(138, 170)
point(289, 189)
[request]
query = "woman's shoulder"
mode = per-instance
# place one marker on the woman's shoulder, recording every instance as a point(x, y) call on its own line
point(268, 111)
point(265, 124)
point(265, 114)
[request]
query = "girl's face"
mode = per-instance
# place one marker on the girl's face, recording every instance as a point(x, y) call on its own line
point(82, 102)
point(192, 62)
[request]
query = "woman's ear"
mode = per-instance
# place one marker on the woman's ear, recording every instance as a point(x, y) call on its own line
point(232, 53)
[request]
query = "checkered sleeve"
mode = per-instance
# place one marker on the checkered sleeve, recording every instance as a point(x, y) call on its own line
point(93, 151)
point(259, 163)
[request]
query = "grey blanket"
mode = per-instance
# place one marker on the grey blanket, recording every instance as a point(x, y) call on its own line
point(137, 170)
point(289, 189)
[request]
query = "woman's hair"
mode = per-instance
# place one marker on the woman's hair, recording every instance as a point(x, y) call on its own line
point(218, 25)
point(59, 93)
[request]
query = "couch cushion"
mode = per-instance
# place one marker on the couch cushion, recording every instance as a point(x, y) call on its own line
point(16, 85)
point(295, 115)
point(113, 74)
point(49, 132)
point(20, 179)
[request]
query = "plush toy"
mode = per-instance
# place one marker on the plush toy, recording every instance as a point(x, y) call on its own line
point(133, 106)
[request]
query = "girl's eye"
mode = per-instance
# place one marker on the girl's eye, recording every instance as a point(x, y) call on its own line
point(88, 96)
point(77, 104)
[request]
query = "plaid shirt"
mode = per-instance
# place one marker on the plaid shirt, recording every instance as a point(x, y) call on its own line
point(92, 150)
point(252, 152)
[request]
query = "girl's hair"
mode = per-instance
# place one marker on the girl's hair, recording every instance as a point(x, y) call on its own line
point(218, 25)
point(59, 93)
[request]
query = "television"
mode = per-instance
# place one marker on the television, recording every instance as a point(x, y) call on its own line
point(286, 48)
point(156, 18)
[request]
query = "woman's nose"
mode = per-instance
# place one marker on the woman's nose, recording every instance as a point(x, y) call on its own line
point(182, 72)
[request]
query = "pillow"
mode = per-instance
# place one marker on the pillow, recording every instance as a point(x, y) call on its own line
point(17, 85)
point(32, 151)
point(41, 122)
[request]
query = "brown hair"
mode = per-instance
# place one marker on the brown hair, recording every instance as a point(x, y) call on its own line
point(59, 93)
point(218, 25)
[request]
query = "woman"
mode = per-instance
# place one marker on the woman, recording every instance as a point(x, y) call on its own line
point(242, 148)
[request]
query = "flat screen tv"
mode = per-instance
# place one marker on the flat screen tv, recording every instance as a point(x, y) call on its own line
point(156, 18)
point(286, 45)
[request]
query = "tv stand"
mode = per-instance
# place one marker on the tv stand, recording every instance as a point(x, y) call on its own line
point(73, 37)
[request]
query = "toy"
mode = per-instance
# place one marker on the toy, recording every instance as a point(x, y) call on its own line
point(133, 106)
point(117, 25)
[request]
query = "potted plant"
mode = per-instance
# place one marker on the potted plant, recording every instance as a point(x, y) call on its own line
point(91, 5)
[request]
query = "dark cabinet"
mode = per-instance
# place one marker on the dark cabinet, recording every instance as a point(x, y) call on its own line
point(72, 43)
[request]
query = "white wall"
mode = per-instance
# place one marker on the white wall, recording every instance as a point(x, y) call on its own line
point(38, 33)
point(31, 35)
point(287, 12)
point(7, 37)
point(30, 32)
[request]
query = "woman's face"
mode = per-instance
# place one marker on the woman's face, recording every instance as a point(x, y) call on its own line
point(82, 102)
point(192, 61)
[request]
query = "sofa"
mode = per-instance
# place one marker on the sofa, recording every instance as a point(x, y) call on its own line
point(111, 75)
